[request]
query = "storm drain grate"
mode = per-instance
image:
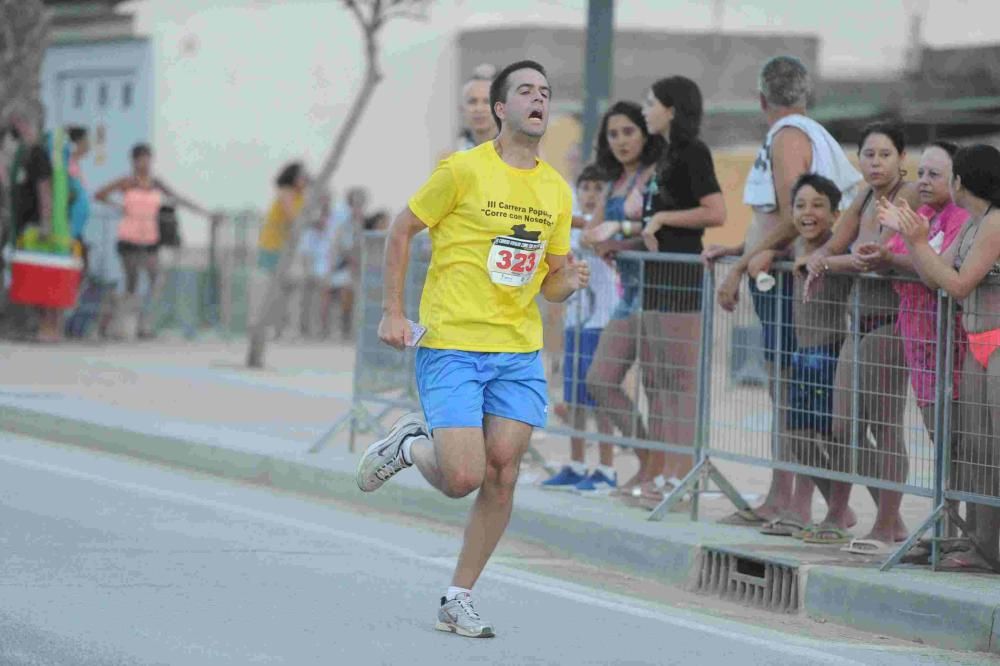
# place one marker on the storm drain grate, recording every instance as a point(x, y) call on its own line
point(748, 581)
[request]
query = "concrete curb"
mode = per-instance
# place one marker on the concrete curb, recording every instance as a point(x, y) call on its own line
point(935, 615)
point(888, 603)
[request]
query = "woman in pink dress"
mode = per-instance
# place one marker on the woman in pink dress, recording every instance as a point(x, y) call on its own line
point(917, 322)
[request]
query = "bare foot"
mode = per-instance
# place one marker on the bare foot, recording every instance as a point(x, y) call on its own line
point(883, 536)
point(969, 560)
point(843, 519)
point(902, 534)
point(769, 512)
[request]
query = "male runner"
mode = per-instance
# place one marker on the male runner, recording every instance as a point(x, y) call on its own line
point(499, 220)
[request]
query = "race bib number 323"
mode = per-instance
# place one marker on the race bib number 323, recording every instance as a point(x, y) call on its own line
point(513, 261)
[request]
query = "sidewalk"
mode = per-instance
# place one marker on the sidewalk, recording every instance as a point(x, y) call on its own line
point(194, 405)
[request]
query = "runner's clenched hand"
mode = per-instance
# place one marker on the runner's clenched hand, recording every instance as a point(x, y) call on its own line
point(394, 330)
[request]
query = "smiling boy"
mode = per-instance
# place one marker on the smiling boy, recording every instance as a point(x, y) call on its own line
point(819, 316)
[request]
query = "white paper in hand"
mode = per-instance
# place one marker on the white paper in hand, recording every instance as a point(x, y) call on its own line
point(417, 331)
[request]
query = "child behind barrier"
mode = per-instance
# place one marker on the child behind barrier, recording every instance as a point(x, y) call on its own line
point(819, 315)
point(587, 313)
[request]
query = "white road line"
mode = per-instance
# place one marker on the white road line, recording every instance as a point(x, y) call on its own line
point(566, 591)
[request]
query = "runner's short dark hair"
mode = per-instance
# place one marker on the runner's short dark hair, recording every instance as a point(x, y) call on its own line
point(592, 173)
point(821, 184)
point(501, 86)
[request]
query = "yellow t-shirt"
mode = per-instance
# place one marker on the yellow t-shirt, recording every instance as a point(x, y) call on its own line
point(277, 224)
point(491, 226)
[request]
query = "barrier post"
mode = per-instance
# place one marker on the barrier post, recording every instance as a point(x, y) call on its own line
point(856, 433)
point(944, 362)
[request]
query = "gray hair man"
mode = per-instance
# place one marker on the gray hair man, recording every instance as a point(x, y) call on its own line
point(794, 145)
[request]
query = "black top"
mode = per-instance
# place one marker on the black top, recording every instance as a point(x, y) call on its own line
point(689, 177)
point(32, 167)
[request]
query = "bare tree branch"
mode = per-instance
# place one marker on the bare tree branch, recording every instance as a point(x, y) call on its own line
point(381, 12)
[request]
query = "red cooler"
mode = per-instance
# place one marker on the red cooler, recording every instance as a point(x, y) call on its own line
point(45, 280)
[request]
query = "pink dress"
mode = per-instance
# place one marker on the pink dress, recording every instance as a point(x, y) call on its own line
point(917, 322)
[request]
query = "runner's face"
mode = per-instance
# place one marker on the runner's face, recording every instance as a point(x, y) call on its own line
point(625, 138)
point(879, 160)
point(811, 213)
point(527, 107)
point(588, 193)
point(476, 106)
point(934, 176)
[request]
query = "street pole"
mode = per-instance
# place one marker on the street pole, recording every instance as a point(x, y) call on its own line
point(597, 69)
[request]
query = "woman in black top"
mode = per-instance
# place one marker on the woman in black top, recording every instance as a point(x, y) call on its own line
point(682, 200)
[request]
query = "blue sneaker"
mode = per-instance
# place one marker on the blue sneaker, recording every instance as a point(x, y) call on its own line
point(596, 484)
point(564, 479)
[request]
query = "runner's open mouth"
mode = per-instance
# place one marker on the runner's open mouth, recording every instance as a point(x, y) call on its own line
point(535, 114)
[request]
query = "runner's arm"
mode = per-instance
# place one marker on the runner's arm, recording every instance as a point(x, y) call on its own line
point(394, 330)
point(397, 259)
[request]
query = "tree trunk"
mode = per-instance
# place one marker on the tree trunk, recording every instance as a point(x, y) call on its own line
point(275, 288)
point(24, 27)
point(24, 32)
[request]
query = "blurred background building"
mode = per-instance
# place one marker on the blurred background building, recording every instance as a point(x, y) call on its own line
point(228, 90)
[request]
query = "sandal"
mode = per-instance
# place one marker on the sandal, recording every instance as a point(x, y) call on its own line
point(645, 493)
point(869, 547)
point(742, 518)
point(828, 535)
point(783, 526)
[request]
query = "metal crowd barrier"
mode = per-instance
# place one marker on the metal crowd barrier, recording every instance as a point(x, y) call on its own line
point(383, 377)
point(854, 392)
point(199, 286)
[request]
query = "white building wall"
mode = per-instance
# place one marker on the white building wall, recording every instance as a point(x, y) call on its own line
point(244, 85)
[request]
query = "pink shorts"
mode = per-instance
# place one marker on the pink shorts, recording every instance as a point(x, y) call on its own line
point(982, 345)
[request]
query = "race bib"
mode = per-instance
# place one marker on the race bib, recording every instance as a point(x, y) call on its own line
point(513, 261)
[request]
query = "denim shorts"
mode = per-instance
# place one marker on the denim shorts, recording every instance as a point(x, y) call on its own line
point(457, 388)
point(810, 388)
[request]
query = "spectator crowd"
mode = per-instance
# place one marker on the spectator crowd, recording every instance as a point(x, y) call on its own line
point(847, 334)
point(123, 302)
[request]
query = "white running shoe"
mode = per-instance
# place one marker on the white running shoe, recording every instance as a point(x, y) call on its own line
point(384, 459)
point(458, 616)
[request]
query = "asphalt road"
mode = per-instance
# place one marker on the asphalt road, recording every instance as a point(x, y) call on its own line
point(112, 561)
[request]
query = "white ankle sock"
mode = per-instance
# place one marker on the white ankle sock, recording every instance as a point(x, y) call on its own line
point(578, 467)
point(407, 448)
point(454, 592)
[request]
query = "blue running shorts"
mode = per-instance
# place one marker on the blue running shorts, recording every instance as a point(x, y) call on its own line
point(458, 387)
